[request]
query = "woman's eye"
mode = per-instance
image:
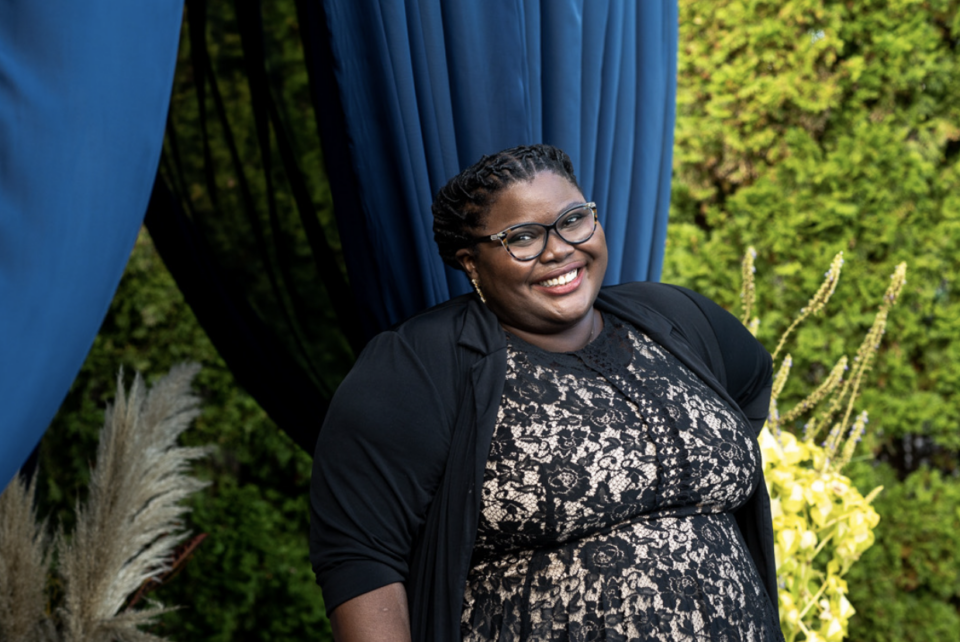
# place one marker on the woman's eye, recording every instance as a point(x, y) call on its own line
point(521, 238)
point(572, 221)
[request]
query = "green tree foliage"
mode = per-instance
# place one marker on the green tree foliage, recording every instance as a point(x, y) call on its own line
point(905, 586)
point(805, 128)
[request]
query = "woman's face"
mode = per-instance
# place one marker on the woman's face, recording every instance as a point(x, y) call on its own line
point(517, 291)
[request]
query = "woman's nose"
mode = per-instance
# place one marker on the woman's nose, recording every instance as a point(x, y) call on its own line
point(557, 249)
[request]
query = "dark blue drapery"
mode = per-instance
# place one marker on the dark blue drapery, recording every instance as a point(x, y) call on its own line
point(84, 89)
point(429, 86)
point(407, 94)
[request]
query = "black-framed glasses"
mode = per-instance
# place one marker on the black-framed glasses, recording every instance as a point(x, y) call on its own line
point(527, 241)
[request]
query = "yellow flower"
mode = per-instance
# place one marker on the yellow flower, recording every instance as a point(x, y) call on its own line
point(794, 497)
point(834, 630)
point(846, 609)
point(788, 540)
point(775, 510)
point(770, 450)
point(822, 523)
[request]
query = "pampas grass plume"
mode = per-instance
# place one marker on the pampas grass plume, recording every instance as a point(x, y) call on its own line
point(24, 561)
point(125, 533)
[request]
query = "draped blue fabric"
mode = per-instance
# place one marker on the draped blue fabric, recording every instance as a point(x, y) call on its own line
point(84, 90)
point(425, 88)
point(428, 86)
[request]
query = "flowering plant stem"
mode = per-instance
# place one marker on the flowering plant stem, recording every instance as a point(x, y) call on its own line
point(822, 524)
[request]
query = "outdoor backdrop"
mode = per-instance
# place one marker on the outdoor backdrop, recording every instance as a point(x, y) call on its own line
point(803, 128)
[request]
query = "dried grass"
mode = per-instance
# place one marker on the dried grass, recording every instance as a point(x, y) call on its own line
point(24, 561)
point(125, 533)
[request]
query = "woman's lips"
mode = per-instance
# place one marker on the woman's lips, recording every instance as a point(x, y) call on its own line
point(562, 288)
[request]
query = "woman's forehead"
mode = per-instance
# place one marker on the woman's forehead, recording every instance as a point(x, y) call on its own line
point(539, 200)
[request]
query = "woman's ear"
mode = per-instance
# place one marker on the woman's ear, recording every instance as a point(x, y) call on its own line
point(468, 260)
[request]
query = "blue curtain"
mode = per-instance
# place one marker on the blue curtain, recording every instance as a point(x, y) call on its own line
point(406, 95)
point(84, 89)
point(428, 86)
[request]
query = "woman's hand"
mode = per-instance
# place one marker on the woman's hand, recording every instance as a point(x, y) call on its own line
point(381, 615)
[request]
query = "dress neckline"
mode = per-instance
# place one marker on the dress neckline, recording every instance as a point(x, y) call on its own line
point(516, 343)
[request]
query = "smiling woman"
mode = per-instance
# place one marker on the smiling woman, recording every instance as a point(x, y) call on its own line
point(547, 300)
point(546, 459)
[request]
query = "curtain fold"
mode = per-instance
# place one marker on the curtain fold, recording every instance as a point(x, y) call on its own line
point(84, 89)
point(427, 87)
point(257, 361)
point(405, 94)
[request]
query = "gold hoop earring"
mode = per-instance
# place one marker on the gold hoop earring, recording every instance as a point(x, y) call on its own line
point(476, 286)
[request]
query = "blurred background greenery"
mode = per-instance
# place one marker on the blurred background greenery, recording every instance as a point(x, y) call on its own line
point(809, 127)
point(804, 128)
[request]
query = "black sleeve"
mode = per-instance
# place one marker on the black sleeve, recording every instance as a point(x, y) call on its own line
point(379, 458)
point(747, 364)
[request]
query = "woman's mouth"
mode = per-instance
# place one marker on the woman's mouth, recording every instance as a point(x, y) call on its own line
point(563, 279)
point(563, 283)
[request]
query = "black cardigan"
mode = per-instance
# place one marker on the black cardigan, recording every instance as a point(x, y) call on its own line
point(400, 458)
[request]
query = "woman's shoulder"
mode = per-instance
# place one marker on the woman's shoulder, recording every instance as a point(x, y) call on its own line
point(675, 305)
point(666, 298)
point(432, 343)
point(438, 321)
point(716, 335)
point(400, 386)
point(439, 332)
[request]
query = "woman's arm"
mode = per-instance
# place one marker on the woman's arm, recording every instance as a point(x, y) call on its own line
point(378, 616)
point(380, 456)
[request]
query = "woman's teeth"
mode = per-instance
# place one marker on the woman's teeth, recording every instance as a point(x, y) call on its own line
point(563, 279)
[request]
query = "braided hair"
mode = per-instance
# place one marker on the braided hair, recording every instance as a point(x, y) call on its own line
point(461, 205)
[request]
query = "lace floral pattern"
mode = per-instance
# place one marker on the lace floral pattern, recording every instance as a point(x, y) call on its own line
point(607, 502)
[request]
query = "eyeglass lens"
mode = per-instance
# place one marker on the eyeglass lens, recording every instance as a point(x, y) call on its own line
point(528, 241)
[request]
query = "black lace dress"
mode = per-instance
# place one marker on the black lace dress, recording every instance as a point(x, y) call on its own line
point(607, 502)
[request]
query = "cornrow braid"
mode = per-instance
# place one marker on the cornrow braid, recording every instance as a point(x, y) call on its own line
point(461, 205)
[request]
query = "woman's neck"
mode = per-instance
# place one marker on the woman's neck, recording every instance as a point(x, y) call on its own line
point(568, 340)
